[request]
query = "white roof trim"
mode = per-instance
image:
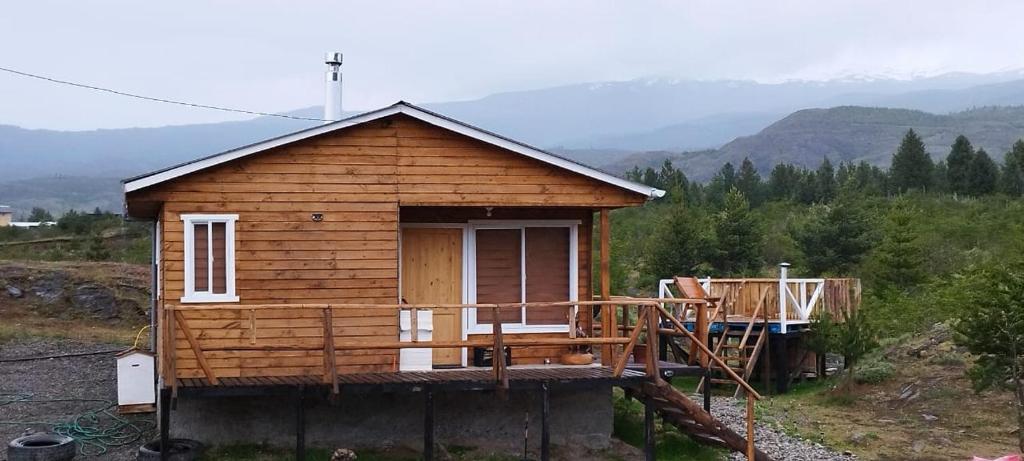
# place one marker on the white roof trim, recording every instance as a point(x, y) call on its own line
point(142, 182)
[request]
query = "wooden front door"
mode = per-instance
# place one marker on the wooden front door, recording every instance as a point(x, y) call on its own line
point(432, 274)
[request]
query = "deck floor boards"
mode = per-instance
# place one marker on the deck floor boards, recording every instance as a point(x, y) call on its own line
point(463, 375)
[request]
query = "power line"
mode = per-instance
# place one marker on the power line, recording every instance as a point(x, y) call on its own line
point(150, 98)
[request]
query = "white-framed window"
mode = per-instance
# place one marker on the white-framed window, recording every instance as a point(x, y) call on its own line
point(522, 261)
point(209, 258)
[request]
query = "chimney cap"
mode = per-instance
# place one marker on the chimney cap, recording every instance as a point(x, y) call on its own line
point(333, 58)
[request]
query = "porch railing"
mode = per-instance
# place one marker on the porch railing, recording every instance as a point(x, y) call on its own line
point(649, 314)
point(801, 300)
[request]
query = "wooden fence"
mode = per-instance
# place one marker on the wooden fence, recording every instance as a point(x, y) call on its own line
point(804, 297)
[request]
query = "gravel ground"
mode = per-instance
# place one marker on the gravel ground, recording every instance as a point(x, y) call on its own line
point(776, 444)
point(85, 377)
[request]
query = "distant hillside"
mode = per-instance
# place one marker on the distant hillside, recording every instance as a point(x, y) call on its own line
point(848, 134)
point(642, 114)
point(707, 132)
point(601, 124)
point(125, 152)
point(59, 194)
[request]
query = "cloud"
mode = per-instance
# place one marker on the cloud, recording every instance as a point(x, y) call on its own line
point(266, 55)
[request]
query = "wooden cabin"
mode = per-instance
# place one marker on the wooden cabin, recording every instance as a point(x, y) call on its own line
point(395, 206)
point(329, 258)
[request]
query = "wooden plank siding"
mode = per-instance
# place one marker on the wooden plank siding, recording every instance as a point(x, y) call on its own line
point(358, 178)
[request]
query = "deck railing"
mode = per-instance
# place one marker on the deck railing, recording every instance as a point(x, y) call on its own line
point(652, 318)
point(620, 341)
point(802, 298)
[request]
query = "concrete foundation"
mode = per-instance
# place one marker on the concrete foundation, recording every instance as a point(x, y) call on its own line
point(383, 420)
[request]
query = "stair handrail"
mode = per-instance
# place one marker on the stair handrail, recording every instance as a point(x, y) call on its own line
point(704, 348)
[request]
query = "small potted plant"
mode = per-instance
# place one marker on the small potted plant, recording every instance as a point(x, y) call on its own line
point(579, 354)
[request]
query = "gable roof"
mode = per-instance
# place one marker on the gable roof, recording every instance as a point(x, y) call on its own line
point(401, 107)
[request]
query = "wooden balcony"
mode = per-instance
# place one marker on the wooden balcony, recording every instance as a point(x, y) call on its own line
point(226, 345)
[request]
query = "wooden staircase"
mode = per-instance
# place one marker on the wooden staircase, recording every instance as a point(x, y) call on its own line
point(677, 409)
point(740, 346)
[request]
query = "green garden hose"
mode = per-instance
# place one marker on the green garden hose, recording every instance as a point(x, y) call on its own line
point(95, 430)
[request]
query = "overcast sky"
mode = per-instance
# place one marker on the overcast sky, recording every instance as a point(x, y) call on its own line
point(267, 56)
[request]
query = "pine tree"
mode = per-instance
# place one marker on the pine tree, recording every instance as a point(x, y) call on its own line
point(650, 177)
point(825, 181)
point(940, 177)
point(1012, 177)
point(738, 237)
point(39, 215)
point(748, 181)
point(672, 179)
point(992, 329)
point(983, 175)
point(911, 166)
point(900, 258)
point(680, 244)
point(807, 187)
point(721, 183)
point(782, 182)
point(958, 165)
point(835, 237)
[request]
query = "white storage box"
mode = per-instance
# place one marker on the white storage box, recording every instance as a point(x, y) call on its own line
point(418, 359)
point(136, 388)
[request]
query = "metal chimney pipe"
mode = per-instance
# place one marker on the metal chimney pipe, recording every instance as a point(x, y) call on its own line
point(332, 88)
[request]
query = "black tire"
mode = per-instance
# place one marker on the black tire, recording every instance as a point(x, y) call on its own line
point(41, 447)
point(181, 450)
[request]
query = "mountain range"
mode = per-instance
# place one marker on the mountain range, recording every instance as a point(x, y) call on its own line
point(846, 133)
point(614, 125)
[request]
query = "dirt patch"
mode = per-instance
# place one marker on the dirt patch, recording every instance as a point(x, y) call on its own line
point(926, 410)
point(93, 302)
point(37, 395)
point(66, 290)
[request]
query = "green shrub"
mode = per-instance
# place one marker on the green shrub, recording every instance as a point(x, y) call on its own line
point(874, 372)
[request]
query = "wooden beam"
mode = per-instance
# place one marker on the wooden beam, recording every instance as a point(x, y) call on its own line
point(355, 345)
point(608, 326)
point(751, 454)
point(712, 426)
point(620, 364)
point(545, 422)
point(718, 362)
point(498, 356)
point(331, 370)
point(428, 424)
point(414, 325)
point(165, 425)
point(653, 371)
point(200, 357)
point(649, 437)
point(300, 424)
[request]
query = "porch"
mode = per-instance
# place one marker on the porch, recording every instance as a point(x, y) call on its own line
point(614, 345)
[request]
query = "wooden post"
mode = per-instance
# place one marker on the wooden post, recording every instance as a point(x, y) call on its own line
point(608, 326)
point(751, 454)
point(331, 370)
point(653, 319)
point(649, 441)
point(170, 351)
point(300, 424)
point(780, 360)
point(428, 423)
point(165, 424)
point(545, 423)
point(701, 331)
point(498, 356)
point(179, 319)
point(414, 326)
